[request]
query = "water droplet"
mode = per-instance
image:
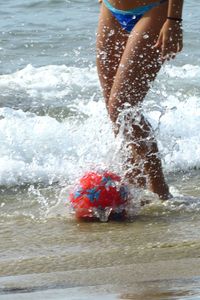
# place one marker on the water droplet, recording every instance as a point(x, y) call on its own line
point(145, 36)
point(102, 213)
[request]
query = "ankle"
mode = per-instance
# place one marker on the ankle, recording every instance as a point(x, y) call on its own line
point(160, 188)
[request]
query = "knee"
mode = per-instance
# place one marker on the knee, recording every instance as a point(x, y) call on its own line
point(117, 104)
point(122, 114)
point(113, 111)
point(131, 123)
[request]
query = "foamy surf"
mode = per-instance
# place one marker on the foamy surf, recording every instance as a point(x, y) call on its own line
point(36, 148)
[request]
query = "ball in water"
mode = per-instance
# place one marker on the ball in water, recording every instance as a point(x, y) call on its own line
point(99, 195)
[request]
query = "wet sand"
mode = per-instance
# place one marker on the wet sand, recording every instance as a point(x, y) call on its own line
point(172, 279)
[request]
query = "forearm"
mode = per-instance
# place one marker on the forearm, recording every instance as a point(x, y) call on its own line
point(175, 8)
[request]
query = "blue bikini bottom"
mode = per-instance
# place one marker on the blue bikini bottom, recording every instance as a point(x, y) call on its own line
point(128, 18)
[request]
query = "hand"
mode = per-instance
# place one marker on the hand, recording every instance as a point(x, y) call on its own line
point(170, 39)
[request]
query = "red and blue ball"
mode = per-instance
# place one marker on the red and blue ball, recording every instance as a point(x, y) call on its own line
point(99, 191)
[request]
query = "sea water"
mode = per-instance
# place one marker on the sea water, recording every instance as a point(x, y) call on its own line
point(54, 126)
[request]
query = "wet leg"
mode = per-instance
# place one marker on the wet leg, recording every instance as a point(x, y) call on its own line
point(138, 67)
point(111, 43)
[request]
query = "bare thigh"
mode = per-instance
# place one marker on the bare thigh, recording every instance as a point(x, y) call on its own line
point(139, 62)
point(111, 41)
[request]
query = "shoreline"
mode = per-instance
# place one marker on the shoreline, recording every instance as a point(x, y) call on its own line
point(137, 278)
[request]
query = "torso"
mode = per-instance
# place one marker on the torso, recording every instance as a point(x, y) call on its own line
point(125, 5)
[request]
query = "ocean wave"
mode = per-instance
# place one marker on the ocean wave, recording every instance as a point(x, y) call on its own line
point(41, 149)
point(50, 82)
point(36, 148)
point(186, 71)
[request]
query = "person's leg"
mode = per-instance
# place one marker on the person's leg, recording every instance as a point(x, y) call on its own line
point(111, 41)
point(139, 66)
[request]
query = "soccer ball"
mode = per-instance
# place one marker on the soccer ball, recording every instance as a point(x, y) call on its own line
point(99, 195)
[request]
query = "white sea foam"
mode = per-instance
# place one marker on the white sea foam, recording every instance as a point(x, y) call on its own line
point(49, 82)
point(42, 149)
point(179, 137)
point(187, 71)
point(59, 81)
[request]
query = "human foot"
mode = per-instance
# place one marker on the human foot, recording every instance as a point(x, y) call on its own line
point(162, 190)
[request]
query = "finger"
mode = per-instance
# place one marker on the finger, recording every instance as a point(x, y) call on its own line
point(175, 48)
point(173, 55)
point(164, 49)
point(170, 50)
point(172, 46)
point(169, 55)
point(158, 43)
point(166, 55)
point(180, 47)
